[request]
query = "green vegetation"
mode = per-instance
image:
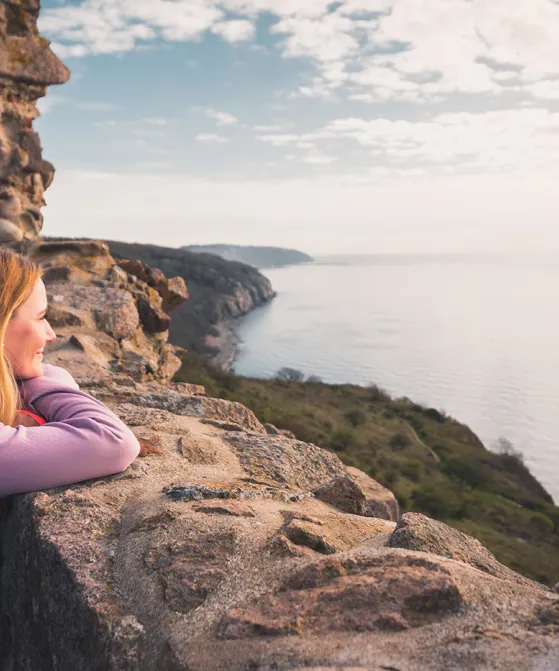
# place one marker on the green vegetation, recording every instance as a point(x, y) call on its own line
point(432, 463)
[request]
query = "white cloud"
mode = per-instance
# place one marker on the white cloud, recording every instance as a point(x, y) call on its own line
point(271, 128)
point(222, 118)
point(514, 140)
point(383, 49)
point(156, 121)
point(235, 30)
point(546, 89)
point(279, 140)
point(317, 158)
point(211, 138)
point(148, 132)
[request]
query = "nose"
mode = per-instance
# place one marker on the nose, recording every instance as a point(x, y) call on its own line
point(51, 335)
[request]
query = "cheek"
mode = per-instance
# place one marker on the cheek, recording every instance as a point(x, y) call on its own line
point(22, 337)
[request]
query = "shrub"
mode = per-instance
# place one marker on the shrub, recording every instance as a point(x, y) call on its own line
point(314, 379)
point(400, 441)
point(342, 439)
point(504, 447)
point(470, 473)
point(542, 523)
point(377, 393)
point(434, 414)
point(288, 374)
point(437, 500)
point(413, 470)
point(356, 417)
point(390, 478)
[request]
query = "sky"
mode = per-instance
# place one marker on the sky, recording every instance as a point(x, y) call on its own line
point(356, 126)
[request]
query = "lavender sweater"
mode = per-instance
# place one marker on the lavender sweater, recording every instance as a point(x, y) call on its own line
point(82, 439)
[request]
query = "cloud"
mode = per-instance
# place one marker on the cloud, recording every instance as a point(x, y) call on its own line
point(513, 140)
point(239, 30)
point(148, 132)
point(372, 50)
point(156, 121)
point(222, 118)
point(211, 138)
point(317, 158)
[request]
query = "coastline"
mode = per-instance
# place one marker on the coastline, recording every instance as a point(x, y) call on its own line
point(227, 342)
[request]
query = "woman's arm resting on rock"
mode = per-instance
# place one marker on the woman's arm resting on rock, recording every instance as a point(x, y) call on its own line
point(83, 438)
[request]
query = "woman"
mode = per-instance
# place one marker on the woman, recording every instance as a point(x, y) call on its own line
point(51, 433)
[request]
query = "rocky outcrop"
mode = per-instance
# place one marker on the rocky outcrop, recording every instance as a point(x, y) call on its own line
point(222, 546)
point(219, 290)
point(225, 547)
point(107, 320)
point(27, 67)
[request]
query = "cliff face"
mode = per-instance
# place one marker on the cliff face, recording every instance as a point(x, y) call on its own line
point(224, 548)
point(107, 321)
point(27, 67)
point(219, 290)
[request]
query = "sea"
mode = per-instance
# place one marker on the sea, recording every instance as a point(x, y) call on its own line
point(475, 336)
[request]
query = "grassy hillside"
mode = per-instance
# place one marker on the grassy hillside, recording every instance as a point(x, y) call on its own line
point(432, 463)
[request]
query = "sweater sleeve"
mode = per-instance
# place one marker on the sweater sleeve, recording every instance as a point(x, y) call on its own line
point(83, 439)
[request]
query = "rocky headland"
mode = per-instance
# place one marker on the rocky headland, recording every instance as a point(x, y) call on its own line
point(220, 292)
point(226, 544)
point(259, 257)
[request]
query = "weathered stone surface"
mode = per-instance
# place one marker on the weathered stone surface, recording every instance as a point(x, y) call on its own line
point(154, 320)
point(191, 406)
point(173, 291)
point(118, 316)
point(333, 534)
point(392, 594)
point(233, 508)
point(344, 494)
point(382, 501)
point(418, 532)
point(27, 67)
point(191, 569)
point(9, 232)
point(284, 461)
point(88, 295)
point(126, 577)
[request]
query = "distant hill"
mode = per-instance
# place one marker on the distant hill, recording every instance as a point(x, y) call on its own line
point(258, 257)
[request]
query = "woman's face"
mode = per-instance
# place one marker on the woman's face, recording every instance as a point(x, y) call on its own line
point(27, 333)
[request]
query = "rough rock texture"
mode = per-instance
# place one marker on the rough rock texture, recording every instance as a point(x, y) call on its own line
point(381, 501)
point(27, 67)
point(220, 291)
point(418, 532)
point(212, 553)
point(105, 318)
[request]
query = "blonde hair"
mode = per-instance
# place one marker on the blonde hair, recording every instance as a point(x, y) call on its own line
point(18, 276)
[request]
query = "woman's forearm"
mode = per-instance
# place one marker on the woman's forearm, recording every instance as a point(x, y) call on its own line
point(83, 439)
